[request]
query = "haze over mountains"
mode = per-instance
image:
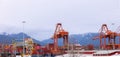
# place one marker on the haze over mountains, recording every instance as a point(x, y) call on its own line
point(8, 38)
point(82, 39)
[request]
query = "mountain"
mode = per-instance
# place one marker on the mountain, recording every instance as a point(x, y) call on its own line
point(8, 38)
point(82, 39)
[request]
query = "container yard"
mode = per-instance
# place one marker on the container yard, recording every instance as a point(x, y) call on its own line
point(28, 48)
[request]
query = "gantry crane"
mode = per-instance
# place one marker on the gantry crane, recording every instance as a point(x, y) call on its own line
point(105, 33)
point(60, 33)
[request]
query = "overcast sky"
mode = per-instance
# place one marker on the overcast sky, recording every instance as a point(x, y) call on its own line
point(41, 16)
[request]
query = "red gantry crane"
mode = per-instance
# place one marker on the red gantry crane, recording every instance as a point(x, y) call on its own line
point(60, 33)
point(105, 33)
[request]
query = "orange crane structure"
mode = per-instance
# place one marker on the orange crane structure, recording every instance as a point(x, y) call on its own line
point(104, 34)
point(60, 33)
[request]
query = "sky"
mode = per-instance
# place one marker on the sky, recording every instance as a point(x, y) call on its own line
point(41, 16)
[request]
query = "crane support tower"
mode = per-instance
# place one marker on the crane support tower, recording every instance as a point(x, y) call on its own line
point(104, 34)
point(60, 33)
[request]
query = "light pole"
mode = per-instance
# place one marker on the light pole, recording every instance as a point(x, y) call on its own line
point(23, 22)
point(113, 41)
